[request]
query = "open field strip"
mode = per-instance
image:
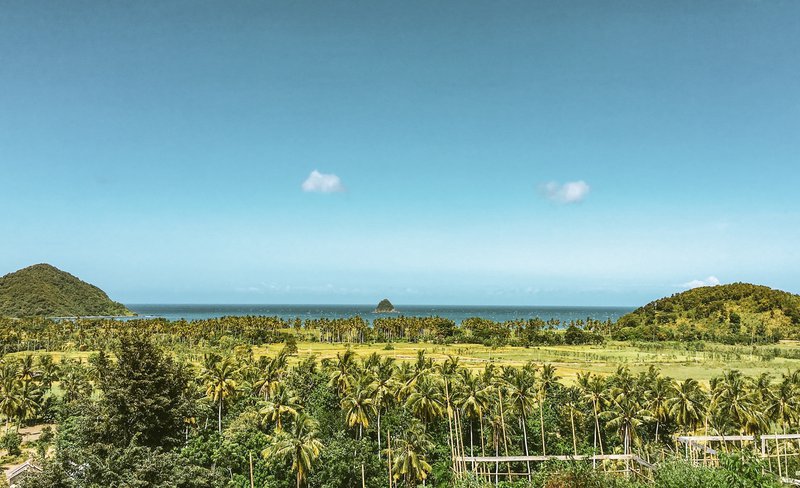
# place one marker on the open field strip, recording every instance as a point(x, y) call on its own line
point(672, 360)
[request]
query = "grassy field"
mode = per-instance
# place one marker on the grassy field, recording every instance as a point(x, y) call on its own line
point(675, 360)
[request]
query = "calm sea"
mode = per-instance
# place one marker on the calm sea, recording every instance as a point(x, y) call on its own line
point(455, 313)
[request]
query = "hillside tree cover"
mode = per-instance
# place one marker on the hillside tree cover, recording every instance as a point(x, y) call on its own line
point(44, 290)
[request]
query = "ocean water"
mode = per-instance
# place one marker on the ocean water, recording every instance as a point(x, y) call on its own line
point(455, 313)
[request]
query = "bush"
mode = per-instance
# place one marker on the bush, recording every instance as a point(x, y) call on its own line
point(11, 442)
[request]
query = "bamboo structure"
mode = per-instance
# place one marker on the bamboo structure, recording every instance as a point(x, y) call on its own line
point(641, 467)
point(779, 447)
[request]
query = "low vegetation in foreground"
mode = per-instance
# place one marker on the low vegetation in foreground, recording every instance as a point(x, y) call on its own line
point(139, 416)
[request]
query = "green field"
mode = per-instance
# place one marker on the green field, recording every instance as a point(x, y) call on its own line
point(675, 360)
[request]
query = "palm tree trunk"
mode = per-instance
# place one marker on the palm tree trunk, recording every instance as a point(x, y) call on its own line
point(450, 438)
point(379, 433)
point(505, 437)
point(389, 455)
point(497, 454)
point(541, 425)
point(572, 422)
point(483, 449)
point(597, 426)
point(219, 423)
point(525, 442)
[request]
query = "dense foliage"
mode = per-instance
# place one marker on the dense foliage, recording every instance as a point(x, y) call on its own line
point(734, 313)
point(43, 290)
point(227, 332)
point(139, 417)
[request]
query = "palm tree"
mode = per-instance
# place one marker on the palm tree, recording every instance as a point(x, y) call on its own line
point(473, 398)
point(383, 387)
point(218, 376)
point(449, 370)
point(342, 376)
point(547, 381)
point(408, 454)
point(300, 443)
point(10, 386)
point(29, 401)
point(626, 414)
point(49, 371)
point(411, 373)
point(271, 374)
point(783, 409)
point(687, 405)
point(732, 398)
point(594, 390)
point(73, 381)
point(358, 405)
point(27, 371)
point(657, 397)
point(521, 393)
point(426, 401)
point(282, 403)
point(573, 402)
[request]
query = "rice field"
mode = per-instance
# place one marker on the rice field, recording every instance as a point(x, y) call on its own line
point(676, 360)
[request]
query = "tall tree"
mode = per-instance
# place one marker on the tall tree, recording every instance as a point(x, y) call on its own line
point(219, 379)
point(283, 403)
point(547, 381)
point(144, 394)
point(300, 443)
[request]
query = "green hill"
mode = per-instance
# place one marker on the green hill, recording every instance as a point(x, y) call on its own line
point(738, 312)
point(44, 290)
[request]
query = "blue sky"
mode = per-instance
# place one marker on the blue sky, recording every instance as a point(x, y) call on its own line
point(159, 149)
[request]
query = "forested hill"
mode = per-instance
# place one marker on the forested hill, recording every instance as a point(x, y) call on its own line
point(44, 290)
point(727, 312)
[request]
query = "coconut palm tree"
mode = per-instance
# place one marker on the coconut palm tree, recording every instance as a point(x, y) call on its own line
point(687, 405)
point(49, 371)
point(27, 370)
point(408, 455)
point(426, 402)
point(473, 398)
point(626, 414)
point(283, 403)
point(449, 375)
point(733, 401)
point(573, 404)
point(657, 396)
point(547, 381)
point(29, 401)
point(342, 376)
point(74, 381)
point(358, 405)
point(10, 386)
point(783, 410)
point(383, 388)
point(271, 371)
point(219, 379)
point(521, 393)
point(593, 388)
point(300, 443)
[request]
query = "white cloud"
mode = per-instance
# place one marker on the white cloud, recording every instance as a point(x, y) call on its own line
point(710, 281)
point(322, 183)
point(569, 192)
